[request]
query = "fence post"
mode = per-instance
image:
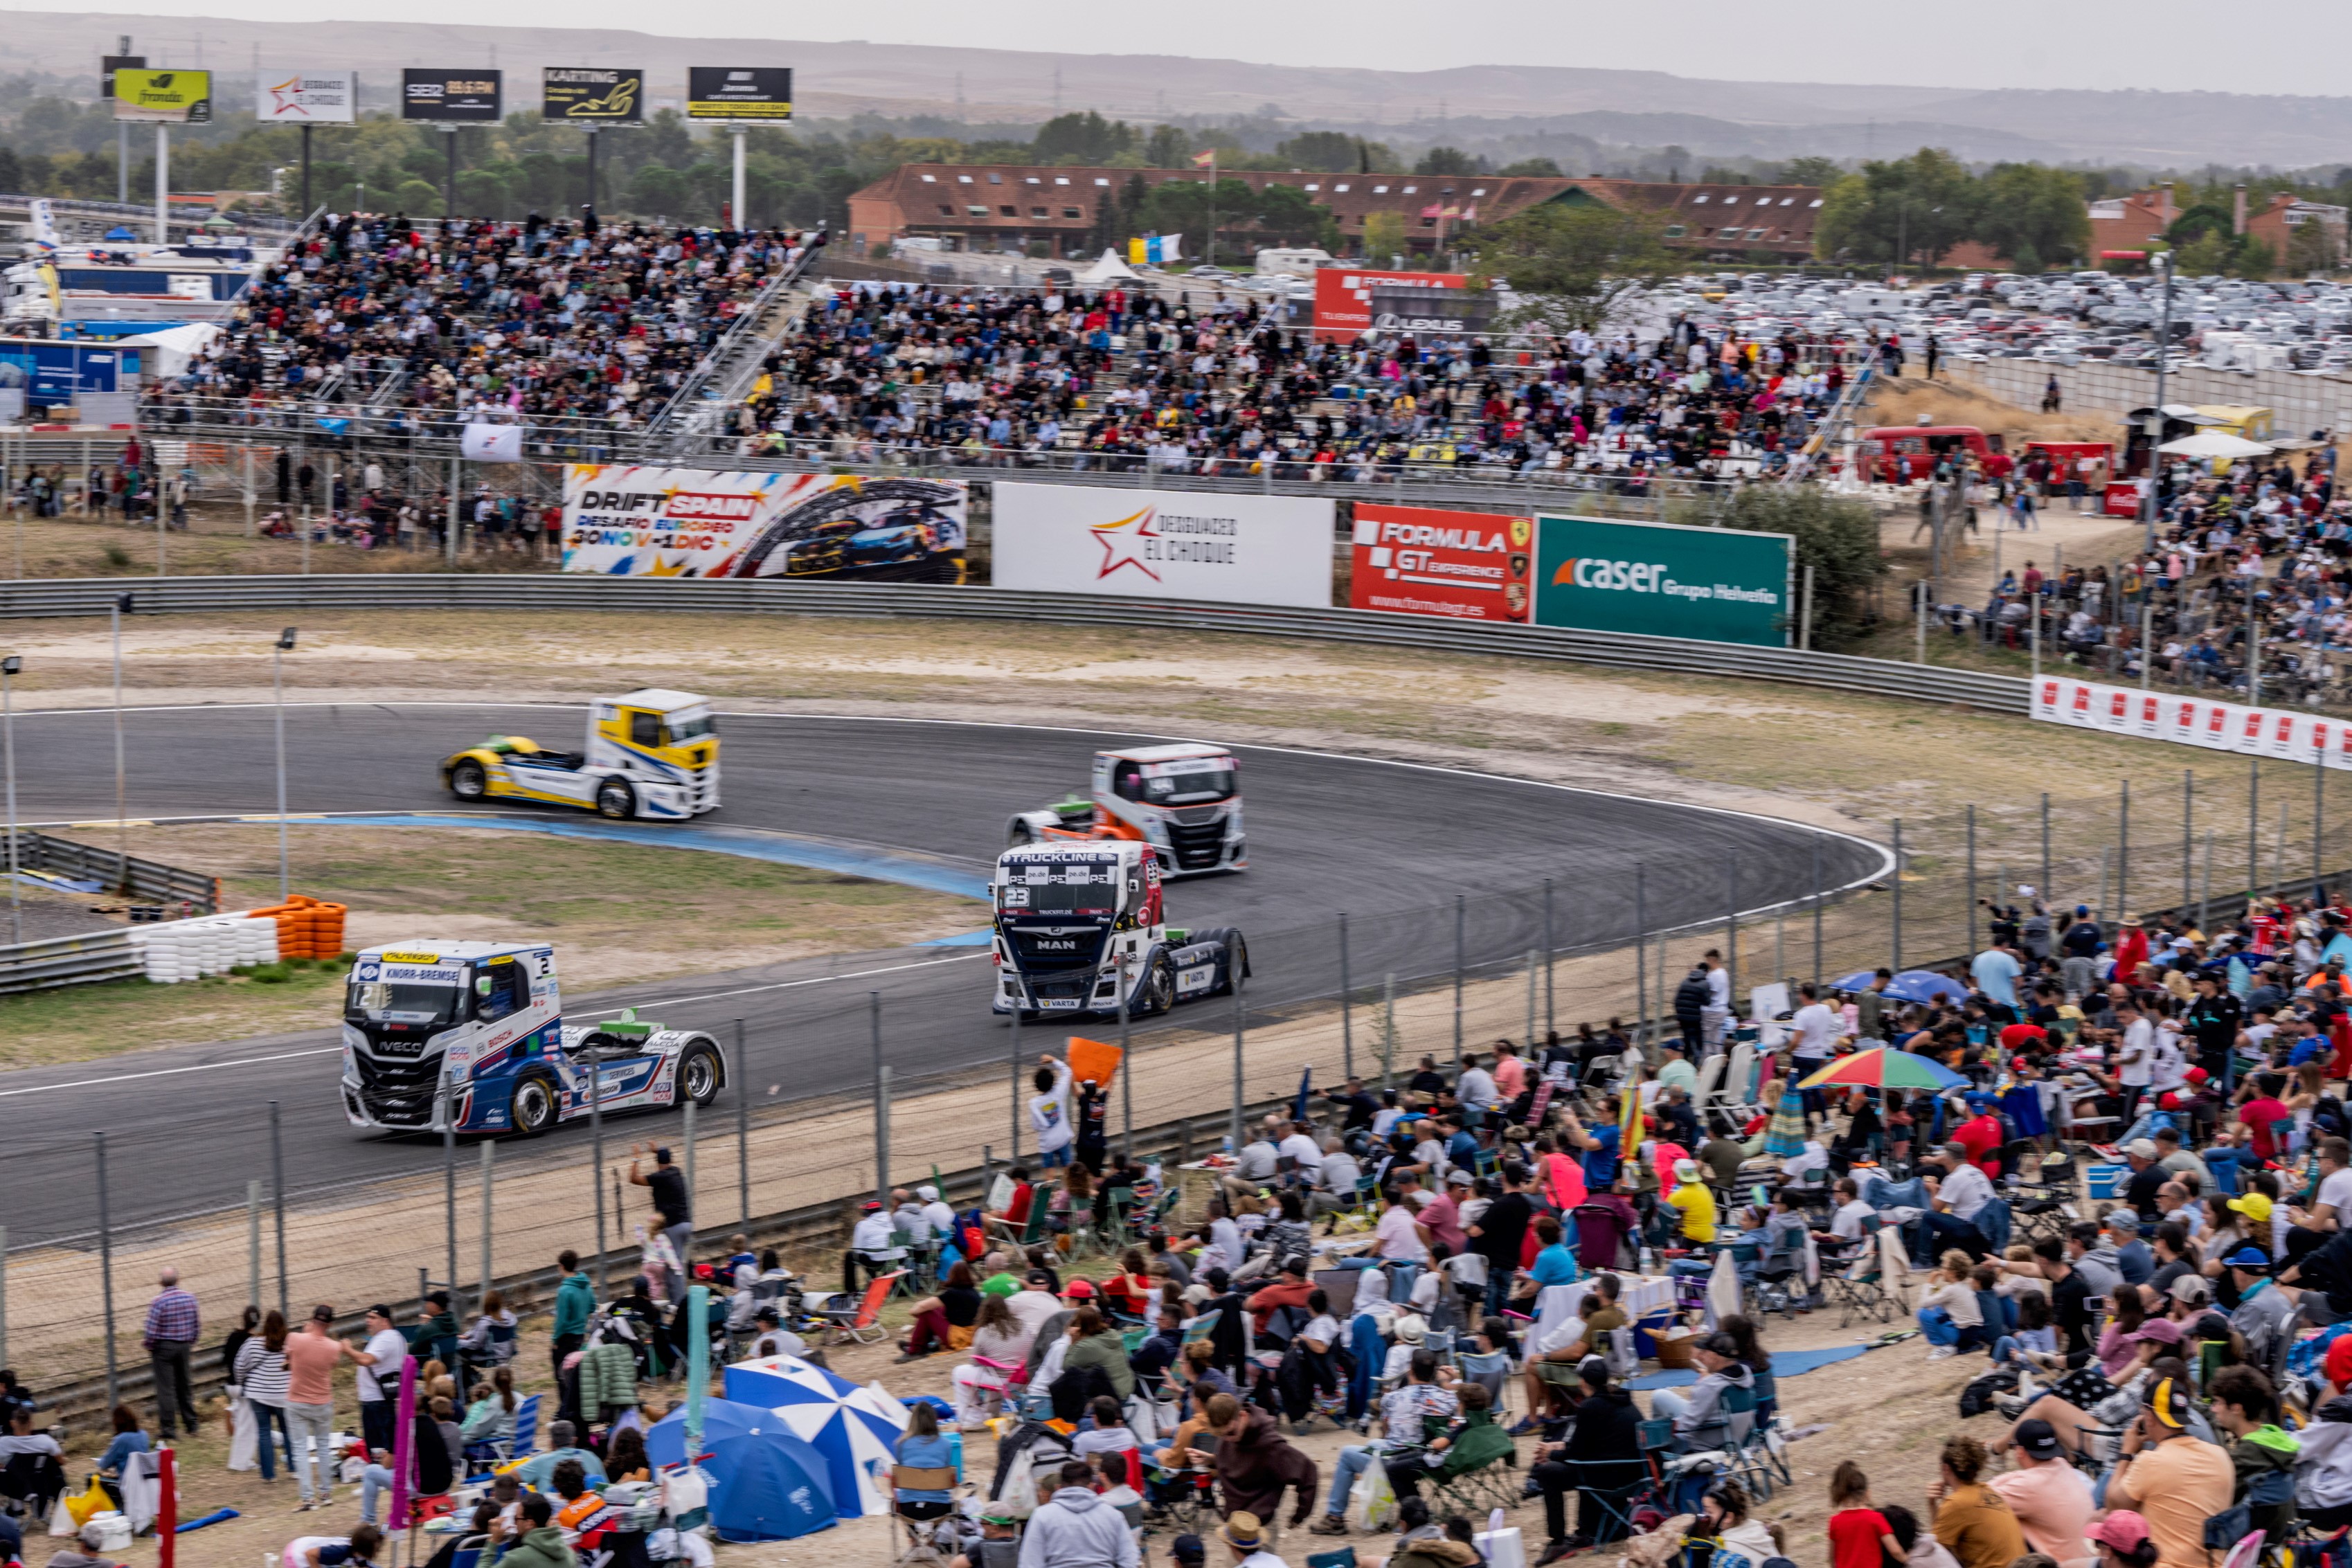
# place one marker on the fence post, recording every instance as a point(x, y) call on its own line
point(1895, 958)
point(2253, 825)
point(742, 1127)
point(1461, 959)
point(1818, 900)
point(277, 1200)
point(449, 1194)
point(596, 1156)
point(1533, 954)
point(489, 1185)
point(1640, 954)
point(2188, 837)
point(1731, 943)
point(105, 1273)
point(1972, 879)
point(2205, 894)
point(1238, 1027)
point(1550, 1024)
point(1013, 1062)
point(2046, 890)
point(881, 1100)
point(252, 1244)
point(1126, 1067)
point(1346, 1011)
point(2122, 852)
point(2318, 813)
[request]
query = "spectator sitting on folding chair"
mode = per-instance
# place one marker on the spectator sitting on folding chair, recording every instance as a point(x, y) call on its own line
point(1470, 1443)
point(1599, 1458)
point(1957, 1193)
point(1403, 1411)
point(1700, 1421)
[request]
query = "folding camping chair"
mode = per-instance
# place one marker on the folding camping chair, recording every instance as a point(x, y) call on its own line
point(860, 1323)
point(922, 1542)
point(1860, 1286)
point(525, 1441)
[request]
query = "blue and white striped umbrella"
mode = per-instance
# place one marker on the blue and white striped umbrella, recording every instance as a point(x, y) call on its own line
point(856, 1429)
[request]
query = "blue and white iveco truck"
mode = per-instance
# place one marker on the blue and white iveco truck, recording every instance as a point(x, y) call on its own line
point(471, 1035)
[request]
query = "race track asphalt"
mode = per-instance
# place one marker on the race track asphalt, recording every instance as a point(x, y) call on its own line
point(1390, 844)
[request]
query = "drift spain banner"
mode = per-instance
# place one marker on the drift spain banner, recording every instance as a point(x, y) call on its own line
point(1470, 566)
point(1664, 579)
point(622, 520)
point(1142, 544)
point(2287, 734)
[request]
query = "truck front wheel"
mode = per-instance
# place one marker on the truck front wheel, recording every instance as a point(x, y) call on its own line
point(468, 781)
point(1159, 987)
point(615, 800)
point(699, 1076)
point(532, 1111)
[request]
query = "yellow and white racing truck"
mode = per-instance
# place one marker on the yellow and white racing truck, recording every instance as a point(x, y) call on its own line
point(650, 753)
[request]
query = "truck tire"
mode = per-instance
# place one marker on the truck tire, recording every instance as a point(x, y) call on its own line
point(1236, 959)
point(532, 1108)
point(615, 800)
point(700, 1074)
point(1159, 992)
point(468, 781)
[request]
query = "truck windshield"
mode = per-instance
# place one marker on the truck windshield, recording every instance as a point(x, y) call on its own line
point(1200, 781)
point(1060, 890)
point(389, 1001)
point(689, 726)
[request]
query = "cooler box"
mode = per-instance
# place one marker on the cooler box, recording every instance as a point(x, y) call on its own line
point(2106, 1181)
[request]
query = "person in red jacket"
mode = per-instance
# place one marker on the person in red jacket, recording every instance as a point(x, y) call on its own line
point(2131, 950)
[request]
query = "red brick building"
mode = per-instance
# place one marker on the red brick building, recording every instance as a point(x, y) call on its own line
point(993, 206)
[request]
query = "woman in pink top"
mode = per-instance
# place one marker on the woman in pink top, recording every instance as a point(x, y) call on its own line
point(1511, 1072)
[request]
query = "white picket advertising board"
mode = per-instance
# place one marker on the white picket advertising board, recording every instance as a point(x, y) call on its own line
point(2287, 733)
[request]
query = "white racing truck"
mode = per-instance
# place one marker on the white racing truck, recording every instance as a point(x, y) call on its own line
point(472, 1033)
point(1073, 918)
point(1184, 800)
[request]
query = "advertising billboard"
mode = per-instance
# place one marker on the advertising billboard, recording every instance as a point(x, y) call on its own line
point(1396, 308)
point(625, 520)
point(1414, 560)
point(1664, 579)
point(161, 97)
point(1236, 550)
point(470, 97)
point(109, 64)
point(2287, 733)
point(1343, 295)
point(306, 98)
point(591, 95)
point(739, 92)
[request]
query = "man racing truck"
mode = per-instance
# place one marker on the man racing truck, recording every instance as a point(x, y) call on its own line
point(650, 753)
point(1074, 920)
point(1184, 800)
point(472, 1033)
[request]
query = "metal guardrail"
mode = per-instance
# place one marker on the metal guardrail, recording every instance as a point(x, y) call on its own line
point(490, 592)
point(143, 879)
point(69, 961)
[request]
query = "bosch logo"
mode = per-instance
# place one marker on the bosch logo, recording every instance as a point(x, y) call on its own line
point(1625, 576)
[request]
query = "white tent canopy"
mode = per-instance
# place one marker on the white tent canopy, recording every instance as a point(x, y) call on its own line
point(2215, 443)
point(1110, 269)
point(174, 346)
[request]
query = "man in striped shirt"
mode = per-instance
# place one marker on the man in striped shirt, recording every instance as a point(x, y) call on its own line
point(172, 1327)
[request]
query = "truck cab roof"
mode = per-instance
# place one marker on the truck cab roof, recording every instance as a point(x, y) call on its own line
point(426, 950)
point(1180, 751)
point(659, 698)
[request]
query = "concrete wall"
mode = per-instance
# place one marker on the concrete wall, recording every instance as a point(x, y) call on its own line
point(2302, 402)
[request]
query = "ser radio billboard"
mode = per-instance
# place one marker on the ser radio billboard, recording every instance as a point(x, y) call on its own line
point(467, 97)
point(1239, 549)
point(1468, 566)
point(1663, 580)
point(625, 520)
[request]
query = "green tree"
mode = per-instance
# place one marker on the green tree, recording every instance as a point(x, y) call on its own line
point(1331, 150)
point(1168, 147)
point(2028, 209)
point(2311, 246)
point(1808, 172)
point(1082, 138)
point(1571, 266)
point(1279, 215)
point(1906, 209)
point(1449, 161)
point(1383, 237)
point(1532, 168)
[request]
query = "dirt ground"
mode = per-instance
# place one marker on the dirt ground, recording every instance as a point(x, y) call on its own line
point(215, 543)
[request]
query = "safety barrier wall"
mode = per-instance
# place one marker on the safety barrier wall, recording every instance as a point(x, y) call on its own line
point(146, 880)
point(484, 592)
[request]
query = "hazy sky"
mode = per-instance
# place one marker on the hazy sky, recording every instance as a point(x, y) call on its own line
point(2299, 45)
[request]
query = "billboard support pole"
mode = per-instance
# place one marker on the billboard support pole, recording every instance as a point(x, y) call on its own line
point(591, 131)
point(735, 209)
point(449, 173)
point(306, 168)
point(162, 184)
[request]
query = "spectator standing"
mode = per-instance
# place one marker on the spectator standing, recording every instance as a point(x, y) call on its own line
point(1049, 1114)
point(1859, 1534)
point(576, 1303)
point(676, 1207)
point(172, 1329)
point(311, 1357)
point(379, 1377)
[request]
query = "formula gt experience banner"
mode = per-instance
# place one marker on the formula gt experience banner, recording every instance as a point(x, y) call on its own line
point(2287, 733)
point(1141, 544)
point(306, 98)
point(1343, 295)
point(1415, 560)
point(1664, 579)
point(164, 97)
point(591, 95)
point(739, 92)
point(625, 520)
point(469, 96)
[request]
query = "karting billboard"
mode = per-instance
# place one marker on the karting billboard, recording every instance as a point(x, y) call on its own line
point(1344, 307)
point(306, 98)
point(1236, 550)
point(1469, 566)
point(739, 92)
point(1663, 580)
point(592, 96)
point(469, 97)
point(625, 520)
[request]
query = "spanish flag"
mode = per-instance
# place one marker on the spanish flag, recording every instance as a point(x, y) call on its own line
point(1205, 160)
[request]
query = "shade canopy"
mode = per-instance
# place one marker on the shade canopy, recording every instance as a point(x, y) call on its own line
point(2215, 443)
point(1884, 1069)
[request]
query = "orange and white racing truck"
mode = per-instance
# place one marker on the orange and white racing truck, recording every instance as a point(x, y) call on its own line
point(1184, 800)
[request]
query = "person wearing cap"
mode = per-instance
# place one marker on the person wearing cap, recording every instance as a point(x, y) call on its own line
point(999, 1545)
point(873, 1246)
point(1693, 1201)
point(2174, 1481)
point(2123, 1541)
point(2213, 1017)
point(2050, 1497)
point(2133, 1261)
point(2263, 1317)
point(1698, 1417)
point(1958, 1192)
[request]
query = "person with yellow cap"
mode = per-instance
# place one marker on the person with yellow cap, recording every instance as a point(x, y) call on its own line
point(2174, 1480)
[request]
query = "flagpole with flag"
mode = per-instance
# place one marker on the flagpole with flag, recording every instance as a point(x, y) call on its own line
point(1209, 161)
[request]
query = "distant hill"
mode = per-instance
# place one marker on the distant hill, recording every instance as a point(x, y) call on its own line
point(1651, 108)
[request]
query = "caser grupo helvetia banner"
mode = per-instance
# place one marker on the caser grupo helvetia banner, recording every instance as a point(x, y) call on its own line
point(1664, 579)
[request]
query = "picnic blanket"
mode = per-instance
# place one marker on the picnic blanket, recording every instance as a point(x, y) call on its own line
point(1785, 1363)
